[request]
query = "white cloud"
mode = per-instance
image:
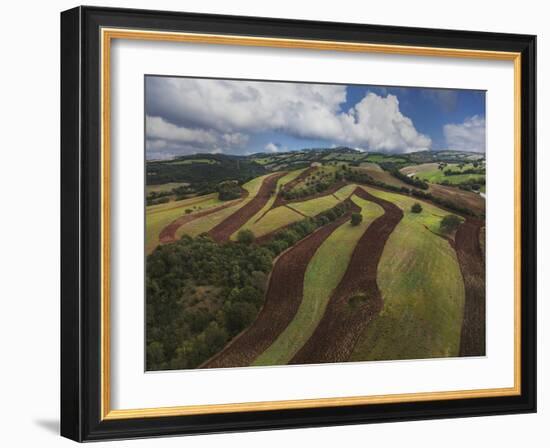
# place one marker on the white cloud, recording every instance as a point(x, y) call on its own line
point(158, 128)
point(314, 111)
point(165, 136)
point(467, 136)
point(377, 124)
point(271, 147)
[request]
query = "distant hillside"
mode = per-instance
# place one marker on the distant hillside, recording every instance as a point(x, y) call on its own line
point(203, 168)
point(213, 168)
point(444, 156)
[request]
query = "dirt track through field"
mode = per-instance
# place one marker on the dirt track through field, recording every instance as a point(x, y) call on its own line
point(223, 231)
point(472, 266)
point(283, 298)
point(336, 335)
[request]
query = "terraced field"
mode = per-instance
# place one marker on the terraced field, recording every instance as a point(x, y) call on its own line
point(422, 288)
point(350, 273)
point(324, 272)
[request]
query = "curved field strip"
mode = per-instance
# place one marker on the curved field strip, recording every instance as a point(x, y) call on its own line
point(196, 201)
point(324, 272)
point(270, 203)
point(168, 233)
point(345, 192)
point(277, 218)
point(205, 223)
point(422, 287)
point(157, 217)
point(421, 168)
point(472, 265)
point(356, 299)
point(304, 173)
point(314, 206)
point(282, 300)
point(223, 230)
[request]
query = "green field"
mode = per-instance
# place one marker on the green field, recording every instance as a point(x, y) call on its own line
point(280, 183)
point(344, 192)
point(423, 291)
point(345, 157)
point(323, 274)
point(159, 216)
point(431, 173)
point(315, 206)
point(164, 187)
point(273, 220)
point(206, 223)
point(217, 304)
point(378, 158)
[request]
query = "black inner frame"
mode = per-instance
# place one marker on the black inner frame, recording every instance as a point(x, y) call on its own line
point(81, 221)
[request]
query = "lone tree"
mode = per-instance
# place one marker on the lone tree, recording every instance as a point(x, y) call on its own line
point(449, 223)
point(416, 208)
point(245, 236)
point(356, 219)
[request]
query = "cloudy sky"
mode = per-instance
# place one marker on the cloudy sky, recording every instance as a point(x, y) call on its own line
point(193, 115)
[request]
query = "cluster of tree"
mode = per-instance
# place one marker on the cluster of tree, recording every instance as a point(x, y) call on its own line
point(185, 327)
point(201, 175)
point(228, 190)
point(289, 236)
point(157, 200)
point(315, 187)
point(362, 177)
point(472, 184)
point(450, 172)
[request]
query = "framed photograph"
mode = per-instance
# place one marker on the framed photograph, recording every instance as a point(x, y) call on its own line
point(272, 223)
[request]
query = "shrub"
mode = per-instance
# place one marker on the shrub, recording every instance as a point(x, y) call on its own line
point(356, 219)
point(449, 223)
point(416, 208)
point(245, 236)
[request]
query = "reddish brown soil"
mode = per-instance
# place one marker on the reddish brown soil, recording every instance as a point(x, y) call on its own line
point(472, 266)
point(461, 198)
point(168, 234)
point(336, 335)
point(223, 231)
point(283, 298)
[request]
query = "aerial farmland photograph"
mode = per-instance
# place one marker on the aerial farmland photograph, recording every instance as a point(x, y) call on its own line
point(292, 223)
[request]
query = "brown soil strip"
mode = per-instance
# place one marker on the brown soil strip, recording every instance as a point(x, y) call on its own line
point(223, 231)
point(336, 335)
point(472, 266)
point(282, 300)
point(168, 234)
